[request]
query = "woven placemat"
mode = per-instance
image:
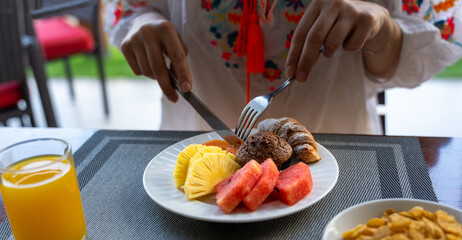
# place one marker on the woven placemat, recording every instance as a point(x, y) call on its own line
point(110, 168)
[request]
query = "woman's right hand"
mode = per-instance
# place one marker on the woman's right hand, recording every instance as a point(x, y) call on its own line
point(150, 37)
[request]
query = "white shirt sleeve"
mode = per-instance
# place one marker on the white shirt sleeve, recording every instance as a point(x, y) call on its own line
point(426, 50)
point(120, 14)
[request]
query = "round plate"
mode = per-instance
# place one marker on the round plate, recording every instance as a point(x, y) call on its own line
point(361, 213)
point(158, 183)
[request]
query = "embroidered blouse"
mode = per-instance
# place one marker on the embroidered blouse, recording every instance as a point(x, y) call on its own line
point(338, 96)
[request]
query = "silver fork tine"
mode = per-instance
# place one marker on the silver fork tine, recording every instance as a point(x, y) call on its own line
point(244, 128)
point(252, 120)
point(254, 109)
point(241, 122)
point(245, 122)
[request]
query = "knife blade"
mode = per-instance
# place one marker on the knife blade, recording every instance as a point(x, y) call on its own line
point(206, 114)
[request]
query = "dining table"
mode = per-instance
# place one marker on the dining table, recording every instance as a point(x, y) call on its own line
point(110, 165)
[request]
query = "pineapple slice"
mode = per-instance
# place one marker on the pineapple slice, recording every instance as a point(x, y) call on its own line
point(204, 150)
point(206, 172)
point(182, 163)
point(232, 156)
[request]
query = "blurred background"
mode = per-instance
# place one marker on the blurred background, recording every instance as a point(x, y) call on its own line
point(432, 109)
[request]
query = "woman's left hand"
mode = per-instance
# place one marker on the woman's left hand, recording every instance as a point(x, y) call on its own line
point(334, 24)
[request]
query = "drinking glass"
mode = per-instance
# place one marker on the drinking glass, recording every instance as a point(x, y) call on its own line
point(38, 184)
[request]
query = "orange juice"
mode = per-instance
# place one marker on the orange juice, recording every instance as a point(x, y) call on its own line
point(43, 204)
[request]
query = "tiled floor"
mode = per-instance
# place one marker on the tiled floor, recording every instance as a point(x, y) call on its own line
point(433, 109)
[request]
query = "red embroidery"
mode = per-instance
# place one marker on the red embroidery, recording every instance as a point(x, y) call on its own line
point(294, 18)
point(120, 13)
point(235, 18)
point(210, 4)
point(411, 6)
point(448, 29)
point(138, 3)
point(226, 55)
point(206, 5)
point(272, 71)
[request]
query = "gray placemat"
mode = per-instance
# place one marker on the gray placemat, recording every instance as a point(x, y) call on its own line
point(110, 167)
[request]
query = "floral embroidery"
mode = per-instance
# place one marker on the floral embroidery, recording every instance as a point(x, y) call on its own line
point(213, 29)
point(225, 17)
point(272, 71)
point(293, 18)
point(231, 39)
point(444, 5)
point(239, 4)
point(295, 4)
point(221, 14)
point(233, 17)
point(124, 10)
point(445, 24)
point(234, 65)
point(411, 6)
point(210, 4)
point(120, 12)
point(138, 3)
point(289, 39)
point(226, 55)
point(446, 28)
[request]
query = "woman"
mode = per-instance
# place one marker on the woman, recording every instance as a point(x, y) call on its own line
point(342, 52)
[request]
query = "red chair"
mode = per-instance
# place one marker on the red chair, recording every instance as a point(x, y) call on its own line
point(14, 92)
point(12, 95)
point(62, 36)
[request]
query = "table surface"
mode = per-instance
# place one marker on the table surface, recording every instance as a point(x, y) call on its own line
point(443, 156)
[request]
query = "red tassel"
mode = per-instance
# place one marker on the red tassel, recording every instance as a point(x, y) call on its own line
point(255, 52)
point(240, 46)
point(250, 41)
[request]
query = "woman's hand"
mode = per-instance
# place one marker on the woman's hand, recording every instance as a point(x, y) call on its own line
point(150, 37)
point(334, 24)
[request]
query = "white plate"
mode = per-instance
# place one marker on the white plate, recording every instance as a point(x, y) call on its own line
point(158, 183)
point(361, 213)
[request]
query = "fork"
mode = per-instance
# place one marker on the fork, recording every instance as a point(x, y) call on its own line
point(254, 109)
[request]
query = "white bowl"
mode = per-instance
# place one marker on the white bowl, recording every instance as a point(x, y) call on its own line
point(361, 213)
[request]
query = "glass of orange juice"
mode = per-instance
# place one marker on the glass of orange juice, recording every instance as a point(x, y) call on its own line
point(39, 188)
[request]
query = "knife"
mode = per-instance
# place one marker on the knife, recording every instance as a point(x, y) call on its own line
point(206, 114)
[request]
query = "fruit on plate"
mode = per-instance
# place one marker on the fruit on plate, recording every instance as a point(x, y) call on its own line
point(222, 184)
point(264, 185)
point(205, 172)
point(293, 183)
point(223, 144)
point(182, 163)
point(233, 191)
point(204, 150)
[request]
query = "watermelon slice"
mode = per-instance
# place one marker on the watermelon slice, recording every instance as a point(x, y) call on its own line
point(234, 189)
point(293, 184)
point(222, 184)
point(264, 185)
